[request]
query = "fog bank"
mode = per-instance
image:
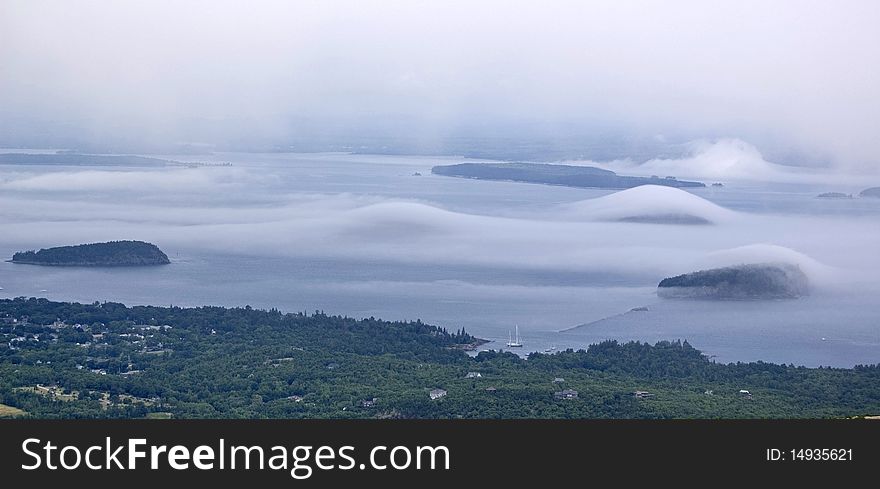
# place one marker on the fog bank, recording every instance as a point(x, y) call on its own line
point(201, 75)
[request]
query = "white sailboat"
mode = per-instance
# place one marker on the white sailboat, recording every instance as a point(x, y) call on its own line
point(514, 343)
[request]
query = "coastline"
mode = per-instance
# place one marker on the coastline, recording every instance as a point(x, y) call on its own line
point(86, 264)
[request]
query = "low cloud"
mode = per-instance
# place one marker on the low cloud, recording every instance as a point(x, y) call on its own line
point(184, 179)
point(249, 211)
point(650, 203)
point(730, 159)
point(223, 73)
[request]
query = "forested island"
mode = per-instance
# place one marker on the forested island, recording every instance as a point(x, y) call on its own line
point(871, 192)
point(834, 195)
point(110, 254)
point(754, 281)
point(63, 360)
point(565, 175)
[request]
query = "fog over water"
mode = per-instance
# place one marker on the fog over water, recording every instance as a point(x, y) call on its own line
point(361, 235)
point(322, 112)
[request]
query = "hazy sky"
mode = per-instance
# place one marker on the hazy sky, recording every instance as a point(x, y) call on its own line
point(804, 72)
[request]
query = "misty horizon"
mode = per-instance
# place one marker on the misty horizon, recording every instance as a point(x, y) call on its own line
point(568, 80)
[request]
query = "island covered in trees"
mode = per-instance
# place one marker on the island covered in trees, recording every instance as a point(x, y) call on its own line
point(834, 195)
point(754, 281)
point(871, 192)
point(110, 254)
point(565, 175)
point(63, 360)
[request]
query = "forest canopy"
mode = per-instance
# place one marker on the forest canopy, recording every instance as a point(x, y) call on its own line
point(113, 253)
point(62, 359)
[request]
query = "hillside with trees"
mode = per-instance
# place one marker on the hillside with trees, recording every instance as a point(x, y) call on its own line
point(60, 360)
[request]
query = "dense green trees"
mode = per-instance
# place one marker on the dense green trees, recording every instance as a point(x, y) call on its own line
point(753, 281)
point(113, 253)
point(240, 362)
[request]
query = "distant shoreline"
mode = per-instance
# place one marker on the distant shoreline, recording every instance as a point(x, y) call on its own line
point(478, 342)
point(85, 264)
point(558, 175)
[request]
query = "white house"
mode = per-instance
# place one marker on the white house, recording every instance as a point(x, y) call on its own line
point(437, 393)
point(566, 394)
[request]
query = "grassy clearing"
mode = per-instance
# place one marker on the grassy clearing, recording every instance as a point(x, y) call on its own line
point(10, 412)
point(158, 416)
point(51, 391)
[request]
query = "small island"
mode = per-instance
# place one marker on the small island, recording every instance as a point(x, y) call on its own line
point(834, 195)
point(871, 192)
point(565, 175)
point(740, 282)
point(110, 254)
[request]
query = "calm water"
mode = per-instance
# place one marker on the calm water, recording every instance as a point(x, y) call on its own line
point(839, 326)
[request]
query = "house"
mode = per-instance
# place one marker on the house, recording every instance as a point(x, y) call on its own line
point(566, 394)
point(368, 403)
point(473, 375)
point(295, 398)
point(746, 394)
point(642, 394)
point(558, 380)
point(276, 362)
point(491, 389)
point(152, 327)
point(437, 394)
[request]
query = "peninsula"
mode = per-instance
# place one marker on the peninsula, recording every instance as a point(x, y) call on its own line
point(76, 159)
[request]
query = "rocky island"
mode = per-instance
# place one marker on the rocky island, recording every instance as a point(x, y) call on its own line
point(740, 282)
point(565, 175)
point(110, 254)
